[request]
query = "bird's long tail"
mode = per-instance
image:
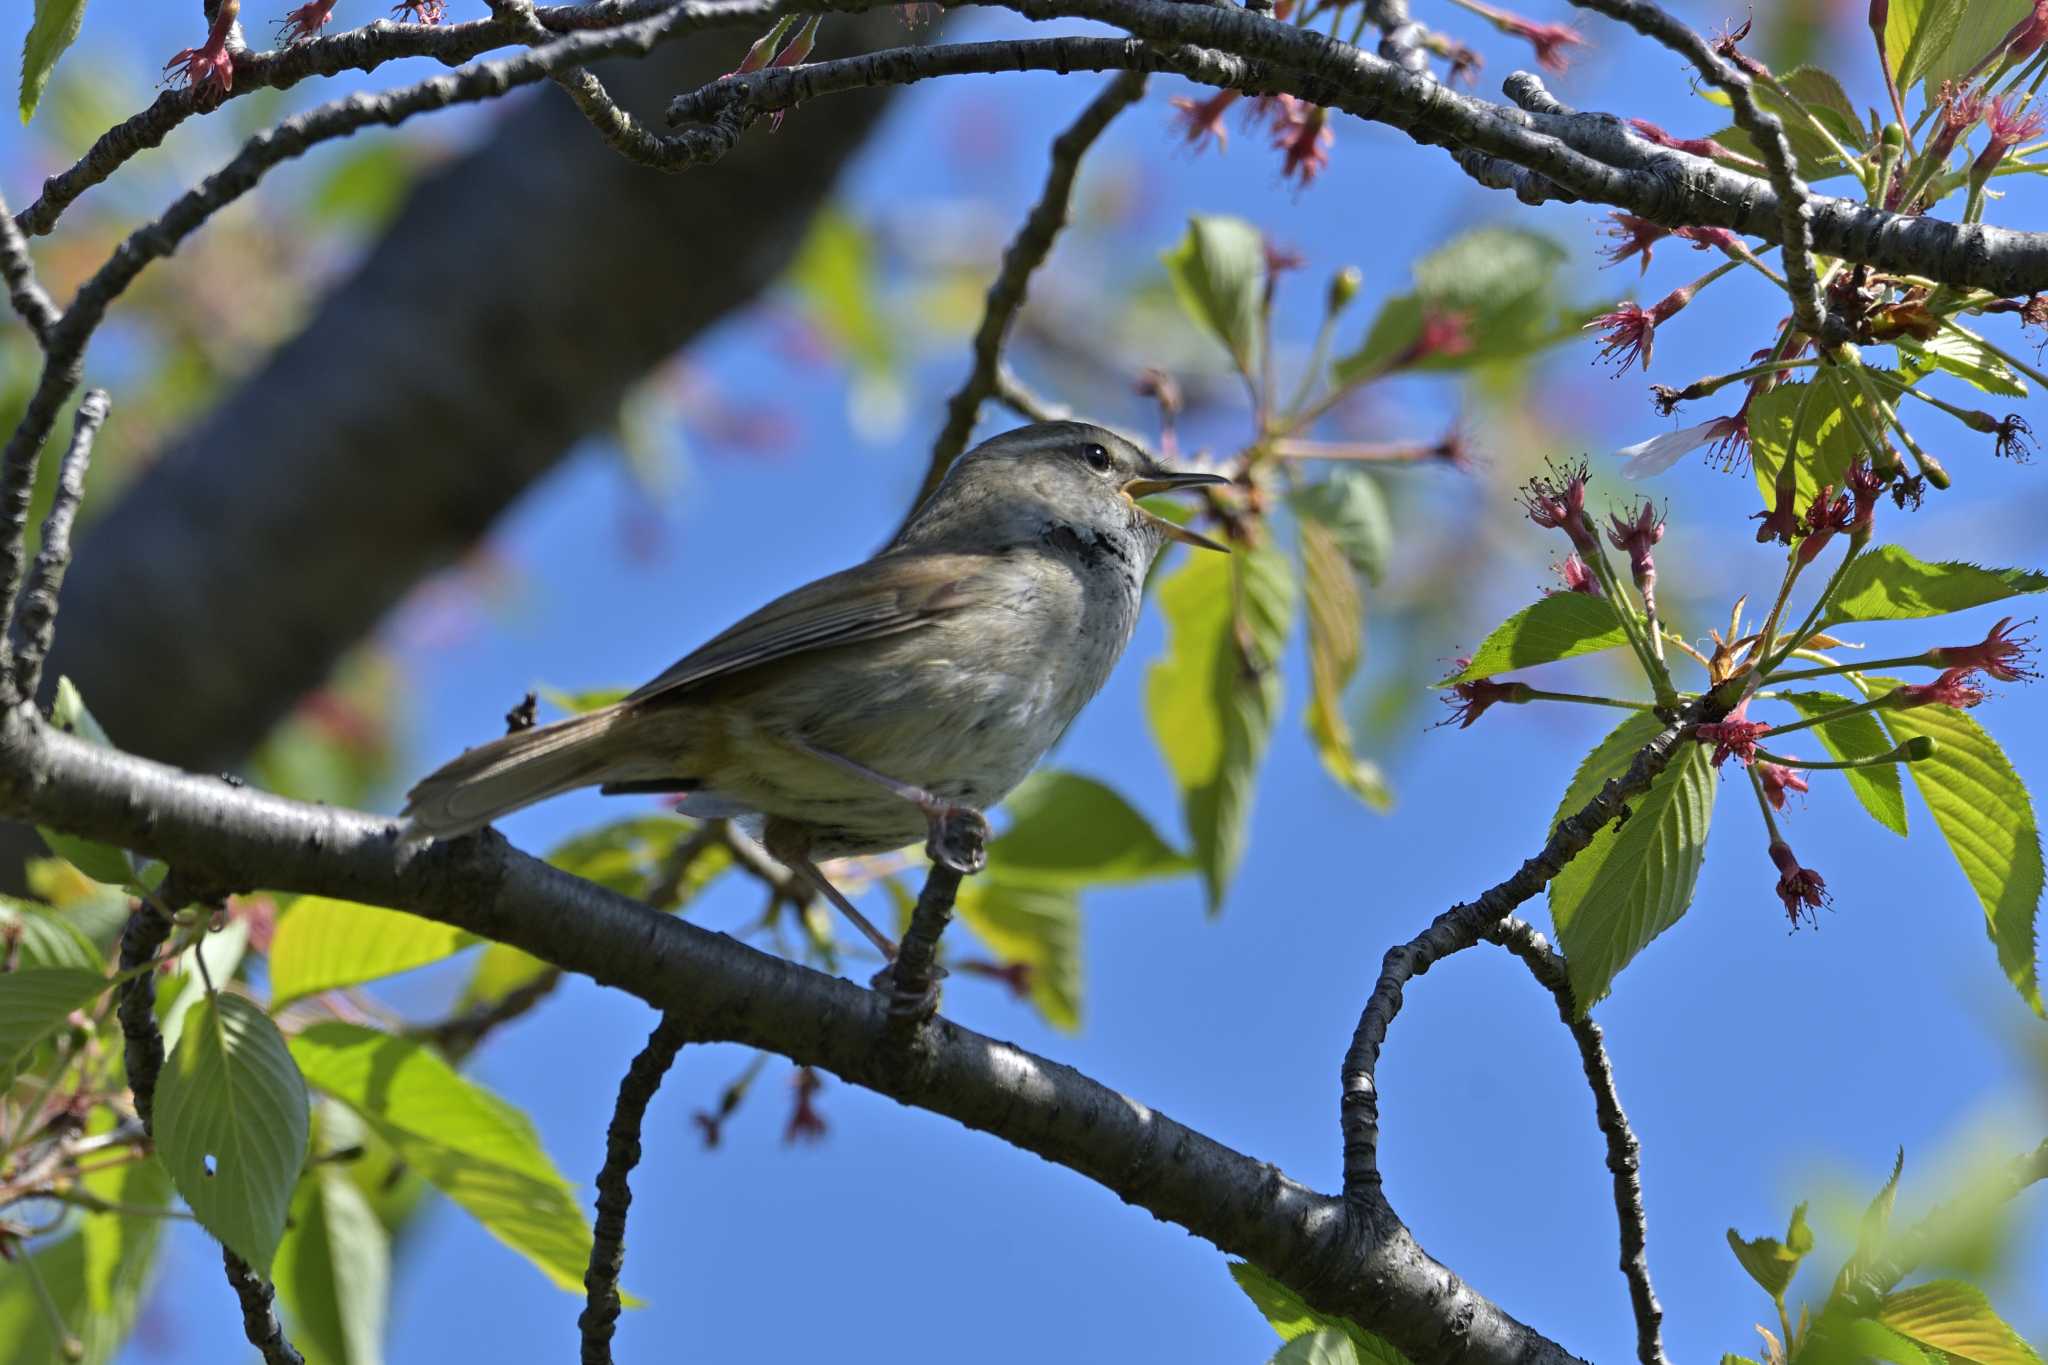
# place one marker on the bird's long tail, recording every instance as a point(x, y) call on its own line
point(512, 773)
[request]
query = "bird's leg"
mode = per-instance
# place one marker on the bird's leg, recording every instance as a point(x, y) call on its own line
point(810, 872)
point(959, 834)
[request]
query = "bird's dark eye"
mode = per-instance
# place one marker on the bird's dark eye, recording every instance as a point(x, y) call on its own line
point(1097, 458)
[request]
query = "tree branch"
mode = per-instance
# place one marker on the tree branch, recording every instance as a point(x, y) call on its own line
point(1462, 926)
point(614, 1195)
point(362, 49)
point(30, 301)
point(1795, 234)
point(1026, 252)
point(1623, 1152)
point(34, 618)
point(1351, 1257)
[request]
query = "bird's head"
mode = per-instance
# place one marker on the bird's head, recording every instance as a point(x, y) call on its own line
point(1020, 485)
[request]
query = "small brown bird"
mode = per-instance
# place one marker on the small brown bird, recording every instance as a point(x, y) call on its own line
point(895, 700)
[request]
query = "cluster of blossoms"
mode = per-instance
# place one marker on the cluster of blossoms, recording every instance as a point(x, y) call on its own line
point(209, 69)
point(1556, 500)
point(1300, 131)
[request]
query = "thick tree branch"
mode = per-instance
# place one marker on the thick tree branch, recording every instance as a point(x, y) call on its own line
point(1025, 254)
point(614, 1194)
point(1462, 926)
point(1623, 1154)
point(1594, 157)
point(1348, 1257)
point(35, 617)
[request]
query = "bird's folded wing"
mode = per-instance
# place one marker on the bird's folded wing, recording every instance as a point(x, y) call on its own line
point(884, 596)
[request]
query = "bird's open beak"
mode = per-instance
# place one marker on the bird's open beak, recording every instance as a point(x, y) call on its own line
point(1163, 482)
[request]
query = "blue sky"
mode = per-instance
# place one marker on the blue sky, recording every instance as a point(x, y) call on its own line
point(1760, 1067)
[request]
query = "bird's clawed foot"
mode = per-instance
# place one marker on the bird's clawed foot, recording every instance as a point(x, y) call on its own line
point(959, 837)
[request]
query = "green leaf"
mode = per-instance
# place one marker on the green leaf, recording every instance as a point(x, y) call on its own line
point(1501, 282)
point(101, 862)
point(1293, 1319)
point(1770, 1262)
point(1069, 831)
point(1916, 34)
point(1563, 625)
point(334, 1271)
point(1351, 507)
point(56, 24)
point(1038, 926)
point(34, 1003)
point(119, 1248)
point(1956, 1319)
point(184, 986)
point(1336, 636)
point(1987, 817)
point(1984, 23)
point(500, 970)
point(1870, 1234)
point(1324, 1346)
point(1219, 273)
point(469, 1144)
point(231, 1124)
point(1853, 737)
point(1816, 98)
point(631, 856)
point(1828, 441)
point(1887, 584)
point(1963, 354)
point(576, 703)
point(1632, 883)
point(324, 944)
point(45, 939)
point(1839, 1339)
point(1212, 697)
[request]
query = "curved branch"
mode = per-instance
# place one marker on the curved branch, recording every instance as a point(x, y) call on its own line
point(1589, 156)
point(1026, 252)
point(35, 616)
point(1623, 1152)
point(1348, 1257)
point(614, 1195)
point(363, 49)
point(31, 302)
point(1462, 926)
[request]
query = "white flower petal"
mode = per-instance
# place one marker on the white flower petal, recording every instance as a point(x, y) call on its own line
point(1659, 453)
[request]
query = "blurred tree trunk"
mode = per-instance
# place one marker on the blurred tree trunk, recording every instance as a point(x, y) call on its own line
point(518, 294)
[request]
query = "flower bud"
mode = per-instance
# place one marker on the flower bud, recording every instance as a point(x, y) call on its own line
point(1344, 287)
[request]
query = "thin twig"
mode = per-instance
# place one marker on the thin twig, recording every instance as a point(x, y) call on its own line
point(1623, 1152)
point(1462, 926)
point(35, 617)
point(1025, 254)
point(29, 298)
point(1014, 394)
point(614, 1194)
point(1795, 209)
point(259, 1312)
point(362, 49)
point(914, 975)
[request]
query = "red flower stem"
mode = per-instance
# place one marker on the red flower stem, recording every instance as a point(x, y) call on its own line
point(1651, 657)
point(1763, 803)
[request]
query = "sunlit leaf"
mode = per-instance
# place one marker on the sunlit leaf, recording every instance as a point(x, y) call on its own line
point(120, 1247)
point(1335, 639)
point(1887, 584)
point(324, 944)
point(334, 1271)
point(1214, 694)
point(1294, 1319)
point(1983, 26)
point(834, 274)
point(1072, 831)
point(1987, 817)
point(1957, 1320)
point(630, 856)
point(1500, 283)
point(184, 985)
point(1350, 505)
point(500, 970)
point(1770, 1262)
point(469, 1144)
point(1828, 439)
point(1218, 272)
point(231, 1124)
point(56, 25)
point(1324, 1346)
point(1916, 34)
point(1037, 926)
point(1963, 354)
point(1632, 883)
point(1563, 625)
point(1852, 737)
